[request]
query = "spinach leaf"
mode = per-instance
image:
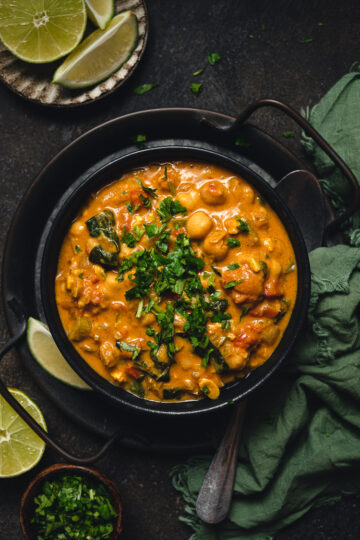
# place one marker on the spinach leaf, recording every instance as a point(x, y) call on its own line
point(172, 393)
point(98, 255)
point(103, 223)
point(137, 388)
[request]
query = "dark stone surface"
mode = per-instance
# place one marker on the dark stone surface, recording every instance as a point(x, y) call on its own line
point(273, 63)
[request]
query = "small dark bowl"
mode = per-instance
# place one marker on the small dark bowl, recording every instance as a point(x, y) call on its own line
point(27, 501)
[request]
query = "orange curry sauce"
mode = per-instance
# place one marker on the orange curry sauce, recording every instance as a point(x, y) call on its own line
point(175, 280)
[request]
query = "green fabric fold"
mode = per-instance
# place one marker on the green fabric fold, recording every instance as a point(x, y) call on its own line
point(301, 439)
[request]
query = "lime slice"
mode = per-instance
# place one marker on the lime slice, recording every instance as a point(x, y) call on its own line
point(44, 350)
point(40, 31)
point(100, 54)
point(100, 11)
point(20, 448)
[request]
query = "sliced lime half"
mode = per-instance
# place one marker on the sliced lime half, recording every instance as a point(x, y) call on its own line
point(100, 11)
point(20, 448)
point(40, 31)
point(45, 351)
point(100, 54)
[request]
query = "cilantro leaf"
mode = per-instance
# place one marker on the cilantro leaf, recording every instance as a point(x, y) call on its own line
point(232, 242)
point(196, 88)
point(143, 88)
point(243, 226)
point(168, 208)
point(213, 58)
point(150, 191)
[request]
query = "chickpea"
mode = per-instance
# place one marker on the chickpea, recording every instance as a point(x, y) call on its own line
point(91, 243)
point(215, 245)
point(210, 388)
point(147, 319)
point(260, 217)
point(111, 285)
point(198, 225)
point(213, 192)
point(189, 199)
point(77, 228)
point(109, 353)
point(231, 225)
point(248, 194)
point(235, 189)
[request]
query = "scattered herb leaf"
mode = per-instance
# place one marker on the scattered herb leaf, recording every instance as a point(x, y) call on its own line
point(213, 58)
point(232, 242)
point(196, 88)
point(143, 88)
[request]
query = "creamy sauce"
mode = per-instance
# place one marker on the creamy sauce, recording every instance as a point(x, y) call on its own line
point(211, 272)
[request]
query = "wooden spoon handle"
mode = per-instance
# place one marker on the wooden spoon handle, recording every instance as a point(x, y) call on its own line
point(214, 499)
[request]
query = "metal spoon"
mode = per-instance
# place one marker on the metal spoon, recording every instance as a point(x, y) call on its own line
point(214, 499)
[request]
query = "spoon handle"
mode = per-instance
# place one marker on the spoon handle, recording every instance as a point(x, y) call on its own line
point(214, 499)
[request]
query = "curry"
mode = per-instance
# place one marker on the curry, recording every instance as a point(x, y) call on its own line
point(176, 280)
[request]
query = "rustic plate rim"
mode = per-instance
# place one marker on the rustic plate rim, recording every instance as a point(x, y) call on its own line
point(103, 94)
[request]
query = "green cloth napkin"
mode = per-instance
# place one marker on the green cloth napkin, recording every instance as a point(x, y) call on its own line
point(301, 438)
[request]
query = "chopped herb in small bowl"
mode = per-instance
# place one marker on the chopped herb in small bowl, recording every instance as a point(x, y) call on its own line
point(70, 501)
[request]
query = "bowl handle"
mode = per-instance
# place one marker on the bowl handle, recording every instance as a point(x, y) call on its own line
point(309, 130)
point(28, 419)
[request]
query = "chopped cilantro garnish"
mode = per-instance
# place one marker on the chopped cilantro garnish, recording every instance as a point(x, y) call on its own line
point(233, 266)
point(245, 310)
point(243, 226)
point(196, 88)
point(122, 345)
point(206, 390)
point(138, 233)
point(150, 191)
point(168, 208)
point(72, 506)
point(232, 284)
point(81, 276)
point(78, 249)
point(140, 139)
point(232, 242)
point(145, 201)
point(264, 267)
point(128, 238)
point(198, 72)
point(213, 58)
point(150, 332)
point(251, 36)
point(143, 88)
point(308, 40)
point(171, 188)
point(240, 141)
point(288, 134)
point(216, 270)
point(139, 309)
point(151, 230)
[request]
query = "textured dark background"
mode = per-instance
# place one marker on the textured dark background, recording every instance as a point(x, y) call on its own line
point(275, 62)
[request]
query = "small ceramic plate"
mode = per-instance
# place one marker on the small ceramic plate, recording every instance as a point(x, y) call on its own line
point(33, 81)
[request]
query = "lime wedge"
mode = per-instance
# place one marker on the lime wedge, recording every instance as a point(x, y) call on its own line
point(100, 11)
point(100, 54)
point(40, 31)
point(20, 448)
point(44, 350)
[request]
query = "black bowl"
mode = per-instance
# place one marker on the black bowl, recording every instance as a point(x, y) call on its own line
point(67, 209)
